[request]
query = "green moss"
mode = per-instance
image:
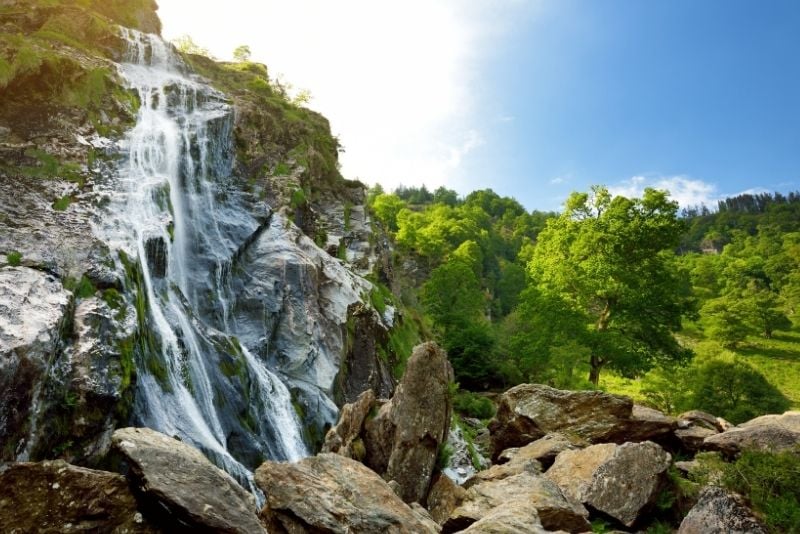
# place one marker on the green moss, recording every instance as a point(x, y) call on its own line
point(14, 258)
point(62, 203)
point(348, 209)
point(298, 199)
point(282, 169)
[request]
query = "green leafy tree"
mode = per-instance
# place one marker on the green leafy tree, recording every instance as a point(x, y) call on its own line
point(186, 44)
point(611, 261)
point(242, 53)
point(734, 391)
point(386, 207)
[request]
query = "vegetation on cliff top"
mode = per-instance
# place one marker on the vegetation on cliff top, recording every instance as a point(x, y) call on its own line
point(516, 296)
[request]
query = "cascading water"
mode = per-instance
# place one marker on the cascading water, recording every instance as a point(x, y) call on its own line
point(166, 213)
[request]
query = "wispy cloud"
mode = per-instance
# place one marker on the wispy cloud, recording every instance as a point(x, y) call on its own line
point(563, 179)
point(396, 79)
point(685, 190)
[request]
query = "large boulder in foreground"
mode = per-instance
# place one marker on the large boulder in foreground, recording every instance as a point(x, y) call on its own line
point(530, 411)
point(619, 480)
point(331, 493)
point(768, 433)
point(172, 475)
point(555, 510)
point(720, 512)
point(515, 517)
point(55, 497)
point(400, 438)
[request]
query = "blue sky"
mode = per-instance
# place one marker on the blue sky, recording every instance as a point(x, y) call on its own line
point(538, 98)
point(673, 93)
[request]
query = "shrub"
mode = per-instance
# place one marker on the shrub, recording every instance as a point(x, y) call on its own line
point(735, 391)
point(14, 258)
point(473, 405)
point(771, 482)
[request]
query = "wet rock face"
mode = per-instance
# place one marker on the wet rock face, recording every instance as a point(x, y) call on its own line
point(291, 307)
point(720, 512)
point(35, 311)
point(331, 493)
point(176, 477)
point(619, 480)
point(55, 497)
point(529, 411)
point(364, 369)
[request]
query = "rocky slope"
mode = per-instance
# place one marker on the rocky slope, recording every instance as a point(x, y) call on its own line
point(556, 483)
point(215, 291)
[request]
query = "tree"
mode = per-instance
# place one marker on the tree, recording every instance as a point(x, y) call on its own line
point(242, 53)
point(186, 44)
point(386, 207)
point(734, 391)
point(611, 260)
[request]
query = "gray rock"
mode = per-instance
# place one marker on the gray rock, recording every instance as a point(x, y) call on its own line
point(56, 497)
point(787, 420)
point(543, 450)
point(530, 411)
point(331, 493)
point(35, 311)
point(515, 517)
point(698, 418)
point(768, 437)
point(720, 512)
point(444, 497)
point(619, 480)
point(554, 508)
point(177, 477)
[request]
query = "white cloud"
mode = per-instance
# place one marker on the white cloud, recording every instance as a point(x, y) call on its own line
point(396, 79)
point(687, 191)
point(563, 179)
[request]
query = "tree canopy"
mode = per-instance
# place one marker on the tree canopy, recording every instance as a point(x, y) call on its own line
point(611, 260)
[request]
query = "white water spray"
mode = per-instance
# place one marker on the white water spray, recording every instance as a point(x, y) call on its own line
point(166, 211)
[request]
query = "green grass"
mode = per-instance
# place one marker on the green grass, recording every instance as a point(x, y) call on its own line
point(778, 359)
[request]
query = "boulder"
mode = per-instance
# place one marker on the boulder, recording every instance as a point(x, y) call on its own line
point(619, 480)
point(345, 438)
point(766, 436)
point(444, 497)
point(720, 512)
point(543, 450)
point(530, 411)
point(693, 438)
point(697, 418)
point(499, 472)
point(35, 312)
point(401, 438)
point(787, 420)
point(174, 476)
point(515, 517)
point(555, 510)
point(331, 493)
point(56, 497)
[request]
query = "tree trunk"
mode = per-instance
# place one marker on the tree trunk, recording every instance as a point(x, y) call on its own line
point(596, 364)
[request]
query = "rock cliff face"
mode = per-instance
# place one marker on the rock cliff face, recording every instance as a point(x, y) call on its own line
point(177, 248)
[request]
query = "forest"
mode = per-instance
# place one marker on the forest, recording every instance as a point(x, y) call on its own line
point(692, 308)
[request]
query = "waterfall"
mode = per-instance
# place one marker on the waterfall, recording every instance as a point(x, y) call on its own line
point(165, 213)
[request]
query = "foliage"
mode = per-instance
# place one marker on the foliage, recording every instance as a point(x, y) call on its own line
point(242, 53)
point(771, 482)
point(14, 258)
point(734, 391)
point(386, 207)
point(609, 260)
point(186, 45)
point(473, 405)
